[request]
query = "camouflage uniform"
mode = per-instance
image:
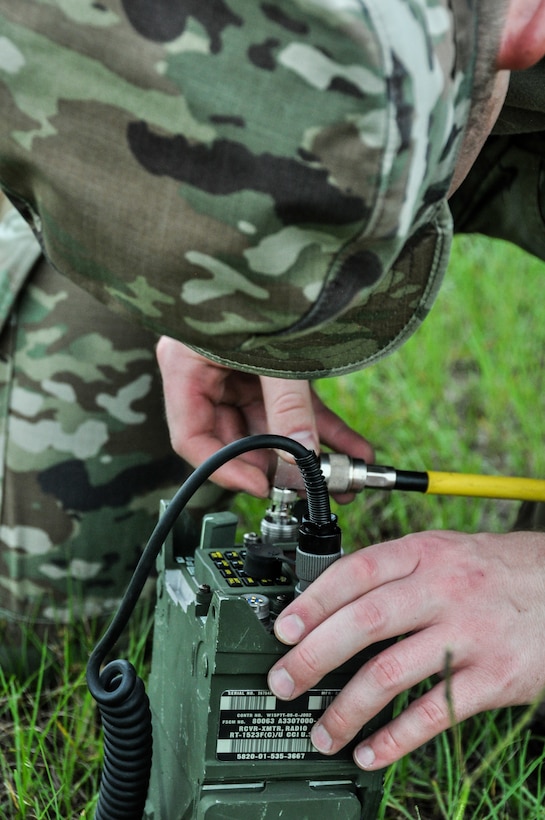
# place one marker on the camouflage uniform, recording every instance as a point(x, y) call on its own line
point(264, 181)
point(86, 455)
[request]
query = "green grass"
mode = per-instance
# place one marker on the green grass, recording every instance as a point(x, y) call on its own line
point(50, 744)
point(50, 735)
point(466, 393)
point(47, 768)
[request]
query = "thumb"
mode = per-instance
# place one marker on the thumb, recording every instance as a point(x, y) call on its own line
point(289, 410)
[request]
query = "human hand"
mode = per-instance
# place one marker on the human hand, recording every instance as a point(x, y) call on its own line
point(209, 405)
point(478, 599)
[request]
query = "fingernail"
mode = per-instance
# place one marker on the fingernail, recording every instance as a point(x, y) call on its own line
point(289, 629)
point(281, 683)
point(306, 439)
point(321, 739)
point(365, 757)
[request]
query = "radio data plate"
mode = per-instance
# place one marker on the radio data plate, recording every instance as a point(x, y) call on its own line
point(255, 725)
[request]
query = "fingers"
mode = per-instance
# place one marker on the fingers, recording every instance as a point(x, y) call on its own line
point(381, 614)
point(390, 672)
point(290, 412)
point(203, 416)
point(450, 594)
point(208, 405)
point(346, 581)
point(364, 599)
point(449, 702)
point(294, 409)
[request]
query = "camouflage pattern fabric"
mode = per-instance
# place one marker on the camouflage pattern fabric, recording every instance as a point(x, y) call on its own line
point(264, 181)
point(86, 455)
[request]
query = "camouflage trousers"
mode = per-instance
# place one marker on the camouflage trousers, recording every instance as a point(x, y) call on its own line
point(86, 455)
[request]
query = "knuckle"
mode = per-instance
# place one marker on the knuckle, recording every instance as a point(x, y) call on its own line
point(386, 672)
point(499, 674)
point(392, 747)
point(431, 714)
point(366, 567)
point(433, 543)
point(310, 661)
point(339, 724)
point(289, 402)
point(321, 609)
point(427, 543)
point(371, 616)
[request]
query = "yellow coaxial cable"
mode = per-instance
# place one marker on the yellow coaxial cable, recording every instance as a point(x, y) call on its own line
point(484, 486)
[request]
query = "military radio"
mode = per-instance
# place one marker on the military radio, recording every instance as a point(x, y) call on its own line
point(209, 740)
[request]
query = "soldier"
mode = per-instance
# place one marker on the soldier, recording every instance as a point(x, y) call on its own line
point(268, 184)
point(86, 453)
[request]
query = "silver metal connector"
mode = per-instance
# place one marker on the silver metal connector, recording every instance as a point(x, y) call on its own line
point(351, 475)
point(279, 524)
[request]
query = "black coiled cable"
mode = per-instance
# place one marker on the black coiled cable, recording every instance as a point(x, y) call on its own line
point(126, 722)
point(118, 691)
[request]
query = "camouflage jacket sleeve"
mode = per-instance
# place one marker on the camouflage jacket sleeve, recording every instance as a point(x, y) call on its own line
point(504, 194)
point(19, 251)
point(238, 174)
